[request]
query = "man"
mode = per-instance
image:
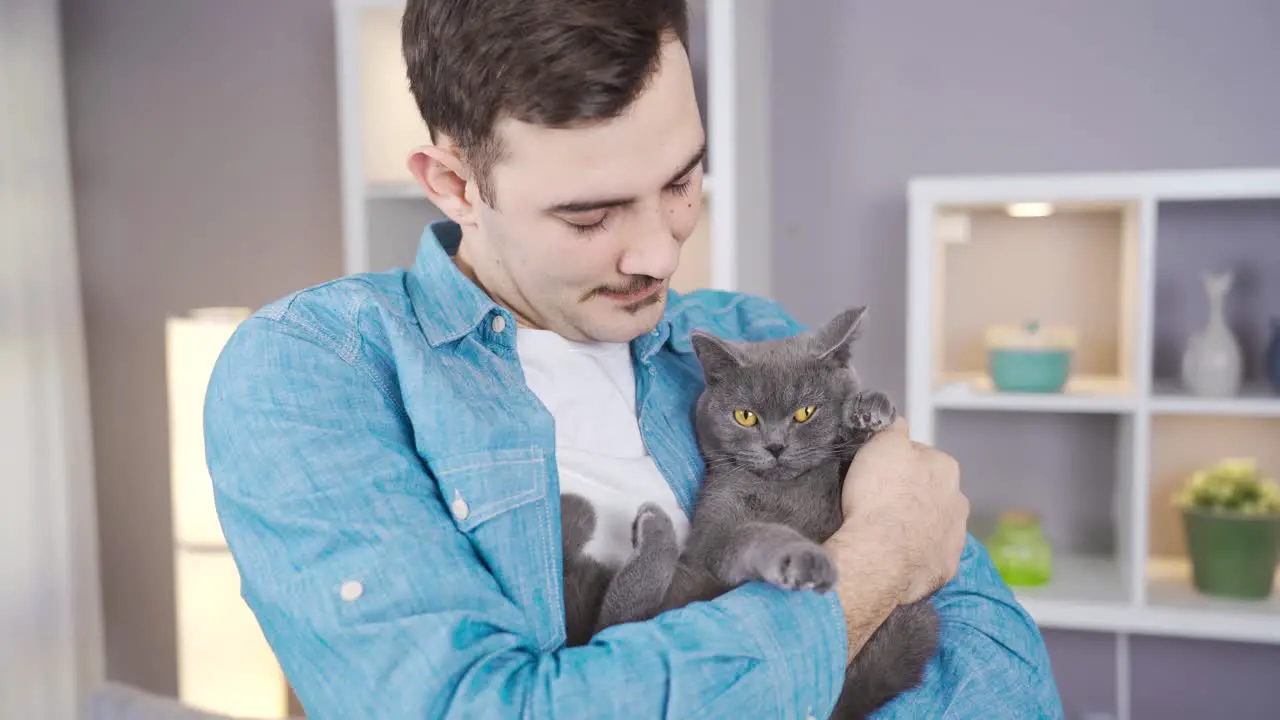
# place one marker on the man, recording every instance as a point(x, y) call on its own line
point(388, 450)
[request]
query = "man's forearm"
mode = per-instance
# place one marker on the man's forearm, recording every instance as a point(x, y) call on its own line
point(867, 589)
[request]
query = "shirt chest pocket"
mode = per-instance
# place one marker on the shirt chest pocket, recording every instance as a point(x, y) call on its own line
point(498, 499)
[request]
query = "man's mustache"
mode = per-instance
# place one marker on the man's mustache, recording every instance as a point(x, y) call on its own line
point(632, 286)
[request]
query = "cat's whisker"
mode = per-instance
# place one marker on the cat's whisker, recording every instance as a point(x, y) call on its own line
point(722, 462)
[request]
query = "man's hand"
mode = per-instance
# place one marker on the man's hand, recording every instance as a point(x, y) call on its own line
point(905, 497)
point(904, 528)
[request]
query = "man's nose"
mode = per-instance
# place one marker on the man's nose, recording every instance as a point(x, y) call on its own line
point(653, 251)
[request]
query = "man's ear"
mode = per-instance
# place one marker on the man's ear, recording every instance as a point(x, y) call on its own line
point(445, 178)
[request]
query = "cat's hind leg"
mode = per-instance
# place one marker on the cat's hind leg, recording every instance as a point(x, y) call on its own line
point(577, 523)
point(637, 590)
point(584, 577)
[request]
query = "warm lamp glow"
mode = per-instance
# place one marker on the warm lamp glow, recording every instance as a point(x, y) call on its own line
point(224, 663)
point(1029, 209)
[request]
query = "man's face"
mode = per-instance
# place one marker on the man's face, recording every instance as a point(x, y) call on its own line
point(589, 221)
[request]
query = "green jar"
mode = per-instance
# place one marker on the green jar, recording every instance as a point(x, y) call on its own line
point(1020, 550)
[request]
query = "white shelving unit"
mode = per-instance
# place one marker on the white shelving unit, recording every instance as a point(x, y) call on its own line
point(384, 211)
point(1105, 261)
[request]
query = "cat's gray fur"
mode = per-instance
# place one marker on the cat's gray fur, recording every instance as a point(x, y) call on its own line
point(771, 495)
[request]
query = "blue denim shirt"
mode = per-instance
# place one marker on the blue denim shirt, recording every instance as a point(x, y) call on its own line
point(387, 484)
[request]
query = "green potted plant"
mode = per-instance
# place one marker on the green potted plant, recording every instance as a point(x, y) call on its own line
point(1231, 517)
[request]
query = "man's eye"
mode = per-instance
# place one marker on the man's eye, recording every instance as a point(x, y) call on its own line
point(586, 225)
point(681, 188)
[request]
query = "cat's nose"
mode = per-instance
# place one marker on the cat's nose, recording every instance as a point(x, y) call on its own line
point(775, 448)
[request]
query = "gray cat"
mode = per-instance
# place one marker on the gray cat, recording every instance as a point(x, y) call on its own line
point(778, 424)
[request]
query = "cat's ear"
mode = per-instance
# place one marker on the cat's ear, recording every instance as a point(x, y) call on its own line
point(716, 356)
point(834, 341)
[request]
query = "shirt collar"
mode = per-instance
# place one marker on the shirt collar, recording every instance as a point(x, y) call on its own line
point(448, 305)
point(454, 305)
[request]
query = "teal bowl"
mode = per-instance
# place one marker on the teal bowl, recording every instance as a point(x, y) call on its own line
point(1030, 371)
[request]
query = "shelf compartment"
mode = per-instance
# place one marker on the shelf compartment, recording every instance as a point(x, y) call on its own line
point(1071, 469)
point(1183, 444)
point(1242, 236)
point(1180, 445)
point(1077, 266)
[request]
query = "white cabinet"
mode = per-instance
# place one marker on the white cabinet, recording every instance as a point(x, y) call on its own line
point(1118, 258)
point(384, 211)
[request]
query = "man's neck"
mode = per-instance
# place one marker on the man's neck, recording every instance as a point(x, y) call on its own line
point(468, 270)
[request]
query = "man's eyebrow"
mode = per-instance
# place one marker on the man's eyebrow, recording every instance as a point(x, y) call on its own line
point(689, 166)
point(581, 206)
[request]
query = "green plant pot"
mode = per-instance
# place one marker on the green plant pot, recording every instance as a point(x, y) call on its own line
point(1233, 555)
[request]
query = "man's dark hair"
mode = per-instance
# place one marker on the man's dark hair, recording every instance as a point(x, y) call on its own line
point(555, 63)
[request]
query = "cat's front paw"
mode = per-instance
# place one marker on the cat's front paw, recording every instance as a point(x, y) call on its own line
point(800, 565)
point(873, 412)
point(652, 529)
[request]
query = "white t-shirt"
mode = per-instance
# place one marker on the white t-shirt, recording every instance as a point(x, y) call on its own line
point(589, 388)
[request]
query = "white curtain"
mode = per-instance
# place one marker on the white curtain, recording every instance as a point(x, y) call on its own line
point(50, 617)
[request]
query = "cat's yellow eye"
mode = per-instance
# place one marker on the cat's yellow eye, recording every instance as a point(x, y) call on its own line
point(804, 413)
point(745, 418)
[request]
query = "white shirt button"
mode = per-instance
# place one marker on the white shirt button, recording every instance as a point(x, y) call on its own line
point(459, 507)
point(351, 590)
point(499, 324)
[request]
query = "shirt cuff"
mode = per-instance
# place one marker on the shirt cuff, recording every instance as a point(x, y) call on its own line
point(801, 636)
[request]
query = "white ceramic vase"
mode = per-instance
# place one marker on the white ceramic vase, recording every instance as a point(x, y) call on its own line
point(1212, 365)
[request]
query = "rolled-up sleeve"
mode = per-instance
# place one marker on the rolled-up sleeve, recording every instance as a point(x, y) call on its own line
point(376, 604)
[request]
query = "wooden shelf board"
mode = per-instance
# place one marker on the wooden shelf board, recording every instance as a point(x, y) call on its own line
point(1164, 185)
point(1082, 394)
point(1175, 607)
point(1228, 624)
point(1254, 400)
point(1081, 578)
point(1088, 594)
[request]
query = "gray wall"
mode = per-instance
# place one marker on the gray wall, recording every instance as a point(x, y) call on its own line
point(868, 94)
point(203, 137)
